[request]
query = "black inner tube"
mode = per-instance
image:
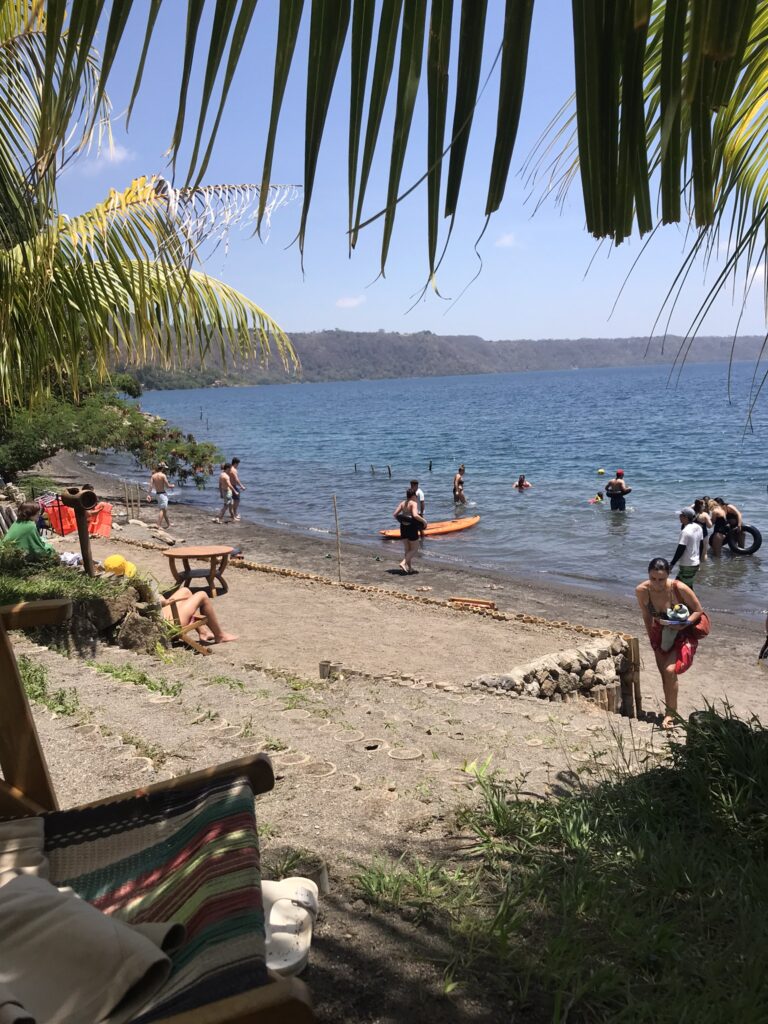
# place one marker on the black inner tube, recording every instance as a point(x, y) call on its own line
point(748, 549)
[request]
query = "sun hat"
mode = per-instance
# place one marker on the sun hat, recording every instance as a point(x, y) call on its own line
point(687, 512)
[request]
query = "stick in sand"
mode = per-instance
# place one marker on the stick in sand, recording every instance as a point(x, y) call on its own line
point(125, 498)
point(338, 541)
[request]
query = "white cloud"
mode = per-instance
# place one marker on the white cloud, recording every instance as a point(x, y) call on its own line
point(350, 301)
point(110, 156)
point(506, 241)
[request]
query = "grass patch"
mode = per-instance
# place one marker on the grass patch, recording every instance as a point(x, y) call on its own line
point(65, 702)
point(229, 681)
point(136, 676)
point(57, 581)
point(639, 898)
point(36, 484)
point(274, 745)
point(152, 751)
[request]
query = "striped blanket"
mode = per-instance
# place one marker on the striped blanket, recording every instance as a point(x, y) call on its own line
point(187, 857)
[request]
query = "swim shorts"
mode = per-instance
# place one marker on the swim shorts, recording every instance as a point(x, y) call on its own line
point(162, 500)
point(687, 574)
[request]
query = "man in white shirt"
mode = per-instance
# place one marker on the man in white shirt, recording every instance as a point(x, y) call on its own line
point(419, 495)
point(689, 546)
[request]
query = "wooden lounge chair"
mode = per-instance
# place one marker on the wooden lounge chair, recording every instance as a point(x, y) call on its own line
point(184, 850)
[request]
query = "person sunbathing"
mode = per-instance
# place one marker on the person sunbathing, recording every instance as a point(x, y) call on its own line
point(192, 606)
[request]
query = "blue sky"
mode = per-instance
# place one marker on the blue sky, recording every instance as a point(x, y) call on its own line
point(534, 282)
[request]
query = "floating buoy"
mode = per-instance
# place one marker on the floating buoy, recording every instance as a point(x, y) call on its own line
point(601, 472)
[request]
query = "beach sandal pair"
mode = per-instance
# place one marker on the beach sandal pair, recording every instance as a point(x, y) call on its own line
point(290, 912)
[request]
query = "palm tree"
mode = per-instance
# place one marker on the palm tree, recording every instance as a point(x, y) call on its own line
point(121, 280)
point(669, 94)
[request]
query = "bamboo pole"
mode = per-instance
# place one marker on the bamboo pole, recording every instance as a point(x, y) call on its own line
point(125, 498)
point(338, 539)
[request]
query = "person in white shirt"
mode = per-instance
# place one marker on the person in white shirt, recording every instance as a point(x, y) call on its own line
point(419, 495)
point(688, 553)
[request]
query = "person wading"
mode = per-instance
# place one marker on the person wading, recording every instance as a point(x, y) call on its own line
point(459, 498)
point(616, 491)
point(689, 547)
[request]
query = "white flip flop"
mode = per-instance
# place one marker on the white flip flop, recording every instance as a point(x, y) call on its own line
point(290, 911)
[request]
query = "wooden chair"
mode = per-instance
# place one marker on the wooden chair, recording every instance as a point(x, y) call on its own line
point(197, 852)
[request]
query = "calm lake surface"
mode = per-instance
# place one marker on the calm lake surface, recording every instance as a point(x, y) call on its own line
point(299, 444)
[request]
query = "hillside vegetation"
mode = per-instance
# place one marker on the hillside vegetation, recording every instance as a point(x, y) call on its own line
point(349, 355)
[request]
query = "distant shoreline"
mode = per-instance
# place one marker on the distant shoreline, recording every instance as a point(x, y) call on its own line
point(355, 356)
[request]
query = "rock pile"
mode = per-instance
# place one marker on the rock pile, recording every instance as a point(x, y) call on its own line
point(600, 672)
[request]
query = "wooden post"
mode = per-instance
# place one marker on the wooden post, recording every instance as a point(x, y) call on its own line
point(125, 498)
point(338, 540)
point(373, 471)
point(389, 470)
point(355, 467)
point(430, 465)
point(634, 657)
point(138, 502)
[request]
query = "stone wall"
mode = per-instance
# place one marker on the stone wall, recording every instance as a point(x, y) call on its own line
point(601, 672)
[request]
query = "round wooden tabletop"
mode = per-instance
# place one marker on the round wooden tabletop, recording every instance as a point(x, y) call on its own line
point(206, 551)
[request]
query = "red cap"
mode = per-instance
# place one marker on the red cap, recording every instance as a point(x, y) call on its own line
point(619, 472)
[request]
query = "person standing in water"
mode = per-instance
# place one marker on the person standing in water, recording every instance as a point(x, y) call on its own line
point(419, 496)
point(688, 552)
point(160, 484)
point(237, 487)
point(459, 498)
point(522, 484)
point(616, 491)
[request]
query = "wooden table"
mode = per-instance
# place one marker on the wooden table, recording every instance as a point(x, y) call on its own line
point(217, 557)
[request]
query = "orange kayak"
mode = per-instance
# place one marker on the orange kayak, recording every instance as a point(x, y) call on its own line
point(436, 529)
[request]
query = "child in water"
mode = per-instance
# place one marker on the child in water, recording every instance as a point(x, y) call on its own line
point(597, 500)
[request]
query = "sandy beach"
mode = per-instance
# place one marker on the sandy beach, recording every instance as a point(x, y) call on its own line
point(368, 765)
point(725, 666)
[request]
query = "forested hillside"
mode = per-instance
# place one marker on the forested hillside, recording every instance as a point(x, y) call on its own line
point(347, 355)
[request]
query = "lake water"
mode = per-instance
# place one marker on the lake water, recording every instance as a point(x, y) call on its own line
point(299, 445)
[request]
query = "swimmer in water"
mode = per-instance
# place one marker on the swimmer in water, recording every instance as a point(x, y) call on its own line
point(459, 497)
point(597, 500)
point(522, 484)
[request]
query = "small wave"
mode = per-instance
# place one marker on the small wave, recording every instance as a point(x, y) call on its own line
point(318, 529)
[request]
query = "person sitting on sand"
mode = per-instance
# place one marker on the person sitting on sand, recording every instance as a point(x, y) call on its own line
point(24, 533)
point(522, 484)
point(459, 497)
point(195, 606)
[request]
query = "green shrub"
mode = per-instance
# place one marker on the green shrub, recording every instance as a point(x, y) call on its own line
point(56, 582)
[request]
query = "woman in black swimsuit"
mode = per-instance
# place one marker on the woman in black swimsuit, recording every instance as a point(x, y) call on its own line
point(411, 525)
point(654, 596)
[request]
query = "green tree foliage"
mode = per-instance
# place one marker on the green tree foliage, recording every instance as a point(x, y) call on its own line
point(101, 420)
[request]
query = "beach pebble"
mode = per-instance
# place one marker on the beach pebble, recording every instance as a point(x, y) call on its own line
point(138, 522)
